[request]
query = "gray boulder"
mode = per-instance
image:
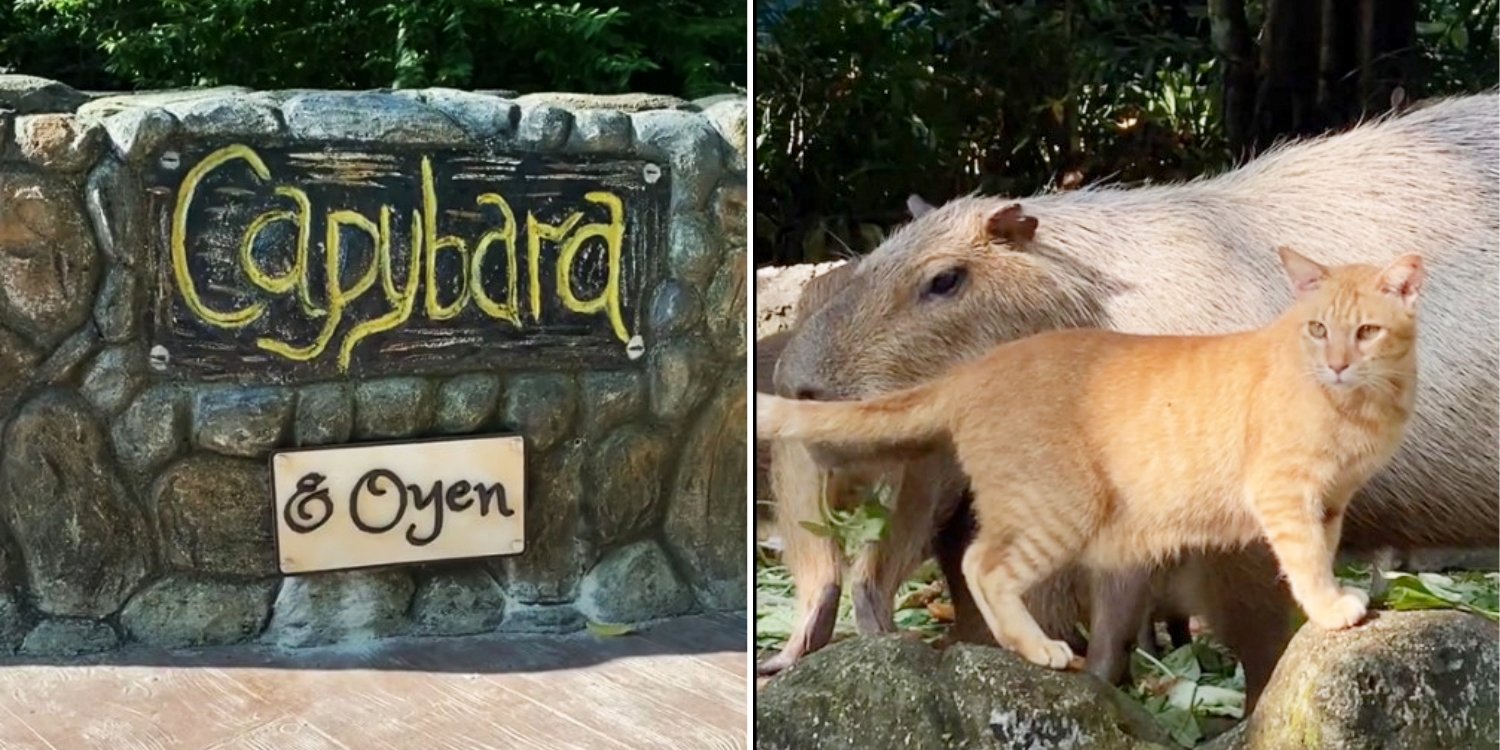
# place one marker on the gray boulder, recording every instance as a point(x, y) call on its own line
point(66, 636)
point(85, 542)
point(186, 611)
point(878, 692)
point(30, 94)
point(1407, 680)
point(354, 606)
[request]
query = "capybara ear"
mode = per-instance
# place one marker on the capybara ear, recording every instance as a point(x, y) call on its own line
point(1012, 225)
point(1403, 279)
point(916, 206)
point(1305, 274)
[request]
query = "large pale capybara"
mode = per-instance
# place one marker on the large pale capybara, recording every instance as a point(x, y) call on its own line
point(1199, 257)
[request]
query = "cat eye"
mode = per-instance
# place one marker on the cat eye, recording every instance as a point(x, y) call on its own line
point(1316, 329)
point(946, 283)
point(1366, 332)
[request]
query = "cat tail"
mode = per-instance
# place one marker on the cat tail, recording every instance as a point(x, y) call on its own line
point(908, 418)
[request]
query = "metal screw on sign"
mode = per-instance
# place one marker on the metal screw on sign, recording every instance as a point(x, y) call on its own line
point(170, 160)
point(635, 347)
point(652, 173)
point(159, 358)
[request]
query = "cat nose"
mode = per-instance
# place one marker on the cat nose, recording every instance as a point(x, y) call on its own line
point(1338, 369)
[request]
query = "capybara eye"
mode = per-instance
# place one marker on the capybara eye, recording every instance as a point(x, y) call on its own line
point(1316, 329)
point(1367, 332)
point(945, 283)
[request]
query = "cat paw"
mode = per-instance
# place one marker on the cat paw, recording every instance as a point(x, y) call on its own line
point(1052, 654)
point(1344, 611)
point(1358, 593)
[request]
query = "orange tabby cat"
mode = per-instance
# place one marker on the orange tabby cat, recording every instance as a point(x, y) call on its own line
point(1116, 449)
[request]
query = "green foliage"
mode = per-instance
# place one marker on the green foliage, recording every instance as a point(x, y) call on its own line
point(684, 47)
point(1188, 688)
point(608, 630)
point(866, 523)
point(1460, 50)
point(862, 102)
point(915, 601)
point(1478, 593)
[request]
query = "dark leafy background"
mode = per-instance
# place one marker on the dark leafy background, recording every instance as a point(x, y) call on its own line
point(684, 47)
point(860, 102)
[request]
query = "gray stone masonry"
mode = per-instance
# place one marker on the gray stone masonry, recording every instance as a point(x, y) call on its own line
point(134, 494)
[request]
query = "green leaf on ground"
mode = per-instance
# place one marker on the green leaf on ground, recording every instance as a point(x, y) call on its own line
point(609, 630)
point(1478, 593)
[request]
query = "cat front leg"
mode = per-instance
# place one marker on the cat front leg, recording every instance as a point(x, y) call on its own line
point(1292, 519)
point(999, 600)
point(1333, 529)
point(1000, 567)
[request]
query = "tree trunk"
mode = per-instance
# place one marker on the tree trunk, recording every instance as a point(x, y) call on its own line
point(1286, 103)
point(1231, 35)
point(1072, 155)
point(1338, 62)
point(1387, 50)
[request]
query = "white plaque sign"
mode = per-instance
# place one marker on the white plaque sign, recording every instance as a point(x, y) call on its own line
point(355, 506)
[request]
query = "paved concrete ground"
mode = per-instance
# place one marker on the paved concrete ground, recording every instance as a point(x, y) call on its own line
point(679, 684)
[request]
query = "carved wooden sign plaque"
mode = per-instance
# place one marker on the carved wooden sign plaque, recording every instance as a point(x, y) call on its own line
point(302, 263)
point(357, 506)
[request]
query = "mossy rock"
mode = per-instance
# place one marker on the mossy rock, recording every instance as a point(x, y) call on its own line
point(1402, 680)
point(894, 692)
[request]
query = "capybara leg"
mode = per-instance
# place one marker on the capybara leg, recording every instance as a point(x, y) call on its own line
point(953, 537)
point(1119, 605)
point(814, 562)
point(1248, 607)
point(880, 570)
point(1179, 631)
point(812, 631)
point(1145, 640)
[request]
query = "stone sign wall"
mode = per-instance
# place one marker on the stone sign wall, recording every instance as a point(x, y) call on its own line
point(191, 280)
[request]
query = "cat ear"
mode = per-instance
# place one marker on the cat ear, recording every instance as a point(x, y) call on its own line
point(1403, 279)
point(1305, 274)
point(1012, 225)
point(916, 206)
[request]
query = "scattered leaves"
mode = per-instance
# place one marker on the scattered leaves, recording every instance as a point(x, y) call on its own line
point(1478, 593)
point(866, 523)
point(941, 611)
point(609, 630)
point(1187, 686)
point(1194, 692)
